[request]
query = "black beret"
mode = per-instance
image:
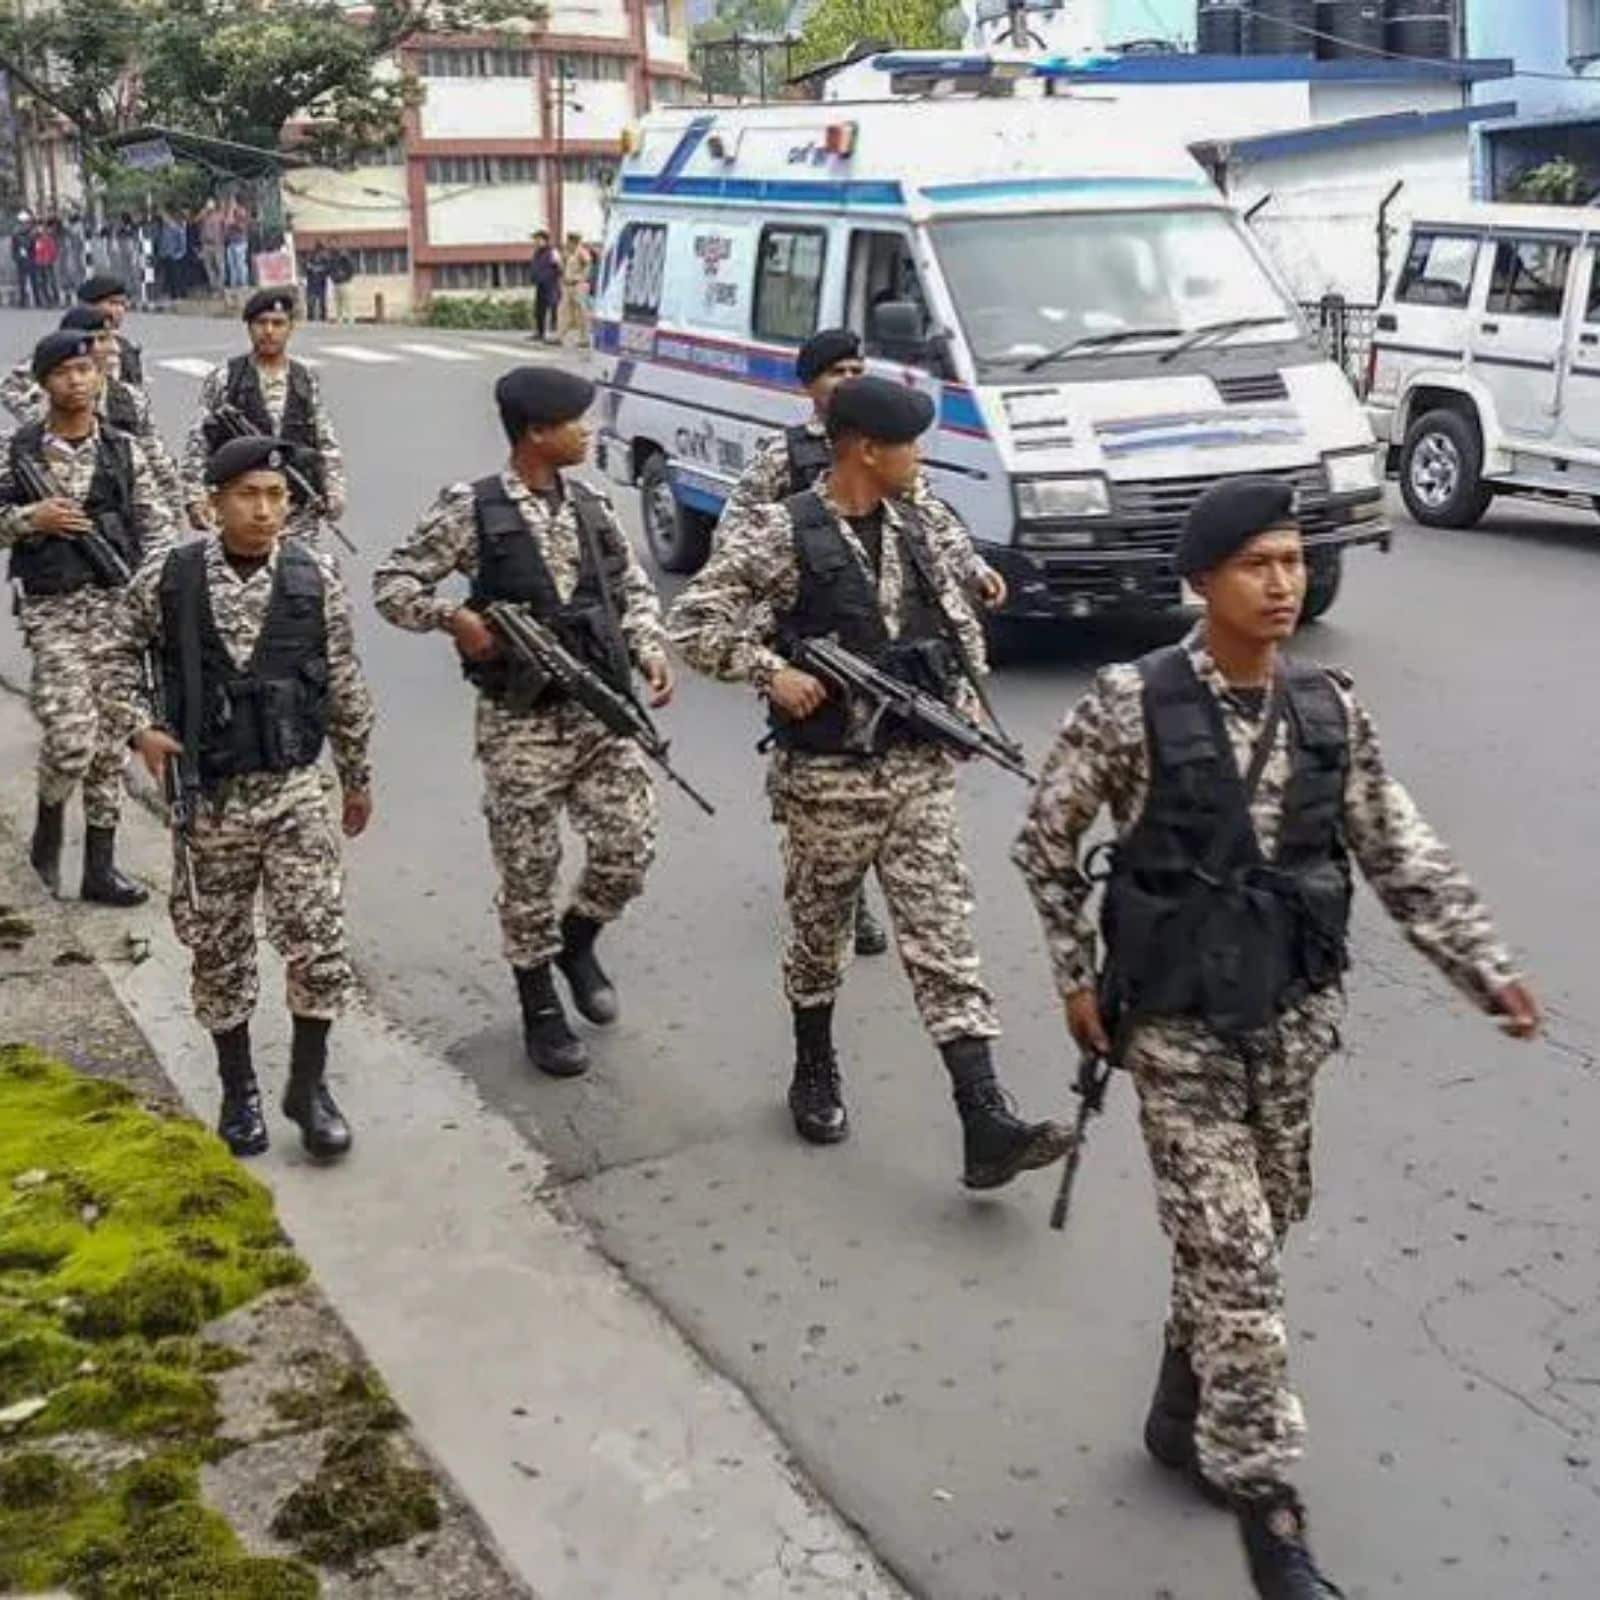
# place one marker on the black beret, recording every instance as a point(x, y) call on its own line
point(539, 397)
point(239, 456)
point(87, 319)
point(264, 300)
point(102, 286)
point(826, 348)
point(55, 348)
point(889, 412)
point(1229, 514)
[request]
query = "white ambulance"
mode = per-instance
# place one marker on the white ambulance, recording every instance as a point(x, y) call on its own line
point(1100, 333)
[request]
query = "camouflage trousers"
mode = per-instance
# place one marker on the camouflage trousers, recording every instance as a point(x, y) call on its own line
point(842, 817)
point(535, 768)
point(272, 833)
point(68, 636)
point(1227, 1124)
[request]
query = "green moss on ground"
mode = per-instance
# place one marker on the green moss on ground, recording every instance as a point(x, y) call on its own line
point(363, 1498)
point(122, 1234)
point(336, 1395)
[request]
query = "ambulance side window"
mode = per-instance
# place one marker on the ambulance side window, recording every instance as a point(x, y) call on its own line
point(789, 283)
point(881, 270)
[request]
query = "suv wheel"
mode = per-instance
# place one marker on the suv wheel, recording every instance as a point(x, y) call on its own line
point(1441, 471)
point(680, 539)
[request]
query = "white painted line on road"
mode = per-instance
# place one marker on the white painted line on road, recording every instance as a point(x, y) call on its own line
point(310, 361)
point(189, 366)
point(359, 352)
point(525, 352)
point(439, 352)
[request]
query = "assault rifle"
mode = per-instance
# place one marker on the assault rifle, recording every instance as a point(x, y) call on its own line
point(110, 570)
point(239, 426)
point(1094, 1077)
point(918, 712)
point(537, 647)
point(179, 784)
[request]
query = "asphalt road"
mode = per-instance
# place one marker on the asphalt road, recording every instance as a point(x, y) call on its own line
point(965, 1385)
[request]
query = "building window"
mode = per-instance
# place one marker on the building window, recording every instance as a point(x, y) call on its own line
point(789, 283)
point(477, 63)
point(593, 69)
point(383, 155)
point(1439, 270)
point(659, 13)
point(388, 262)
point(483, 275)
point(477, 170)
point(1530, 278)
point(589, 169)
point(667, 91)
point(1583, 29)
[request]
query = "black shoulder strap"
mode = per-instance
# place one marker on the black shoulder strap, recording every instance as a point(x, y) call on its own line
point(1315, 706)
point(497, 512)
point(594, 525)
point(187, 565)
point(233, 389)
point(1232, 830)
point(809, 456)
point(298, 572)
point(301, 391)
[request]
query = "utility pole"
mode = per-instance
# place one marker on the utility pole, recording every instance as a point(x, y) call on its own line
point(563, 85)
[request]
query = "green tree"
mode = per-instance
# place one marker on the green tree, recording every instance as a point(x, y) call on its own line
point(239, 72)
point(834, 25)
point(732, 71)
point(1555, 183)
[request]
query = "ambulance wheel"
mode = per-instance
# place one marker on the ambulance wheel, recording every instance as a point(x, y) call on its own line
point(1441, 471)
point(680, 539)
point(1322, 585)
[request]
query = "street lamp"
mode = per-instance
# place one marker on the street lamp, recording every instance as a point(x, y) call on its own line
point(562, 91)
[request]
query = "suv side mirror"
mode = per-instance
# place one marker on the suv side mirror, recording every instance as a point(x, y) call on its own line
point(898, 331)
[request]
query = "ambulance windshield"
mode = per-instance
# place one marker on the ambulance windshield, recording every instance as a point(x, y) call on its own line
point(1044, 291)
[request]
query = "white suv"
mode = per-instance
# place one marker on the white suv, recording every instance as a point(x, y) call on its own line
point(1485, 370)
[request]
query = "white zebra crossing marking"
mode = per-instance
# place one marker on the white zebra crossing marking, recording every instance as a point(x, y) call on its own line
point(359, 352)
point(189, 366)
point(526, 352)
point(439, 352)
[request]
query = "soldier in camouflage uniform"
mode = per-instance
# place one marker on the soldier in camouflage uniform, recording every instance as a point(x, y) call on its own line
point(530, 535)
point(281, 398)
point(72, 553)
point(110, 294)
point(1239, 783)
point(252, 647)
point(124, 405)
point(793, 460)
point(848, 557)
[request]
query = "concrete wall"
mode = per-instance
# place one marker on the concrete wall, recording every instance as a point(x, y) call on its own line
point(598, 110)
point(480, 108)
point(364, 199)
point(599, 19)
point(396, 292)
point(1340, 102)
point(1321, 223)
point(494, 213)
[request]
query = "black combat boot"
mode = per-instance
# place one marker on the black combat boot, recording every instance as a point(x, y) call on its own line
point(49, 824)
point(103, 885)
point(1169, 1428)
point(592, 991)
point(998, 1144)
point(307, 1102)
point(1274, 1533)
point(815, 1101)
point(240, 1124)
point(551, 1044)
point(871, 939)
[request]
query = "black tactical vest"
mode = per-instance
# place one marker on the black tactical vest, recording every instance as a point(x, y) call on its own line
point(511, 567)
point(132, 361)
point(119, 407)
point(269, 715)
point(299, 425)
point(809, 457)
point(51, 566)
point(1235, 950)
point(838, 598)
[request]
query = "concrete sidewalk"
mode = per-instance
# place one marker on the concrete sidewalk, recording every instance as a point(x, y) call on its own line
point(607, 1460)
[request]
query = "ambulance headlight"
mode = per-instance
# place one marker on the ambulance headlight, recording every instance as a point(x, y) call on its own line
point(1353, 472)
point(1062, 499)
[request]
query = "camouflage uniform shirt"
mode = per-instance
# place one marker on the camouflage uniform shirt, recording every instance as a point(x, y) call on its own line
point(1101, 759)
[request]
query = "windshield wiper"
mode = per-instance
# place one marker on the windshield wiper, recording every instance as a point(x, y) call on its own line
point(1219, 330)
point(1091, 340)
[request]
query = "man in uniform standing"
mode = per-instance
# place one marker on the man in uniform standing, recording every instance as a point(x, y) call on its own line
point(110, 294)
point(73, 551)
point(255, 655)
point(848, 557)
point(282, 399)
point(531, 536)
point(789, 462)
point(1239, 783)
point(122, 404)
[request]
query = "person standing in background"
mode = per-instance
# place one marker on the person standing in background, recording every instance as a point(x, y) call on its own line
point(236, 244)
point(318, 265)
point(546, 286)
point(572, 316)
point(213, 246)
point(172, 245)
point(46, 252)
point(22, 258)
point(342, 270)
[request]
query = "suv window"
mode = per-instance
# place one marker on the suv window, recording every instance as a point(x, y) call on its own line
point(789, 283)
point(1439, 270)
point(1530, 277)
